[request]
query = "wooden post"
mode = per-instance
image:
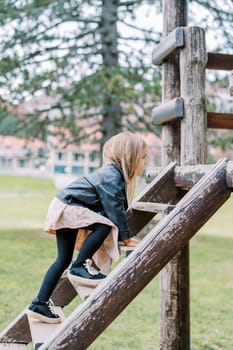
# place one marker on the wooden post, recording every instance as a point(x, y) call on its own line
point(193, 140)
point(174, 15)
point(192, 74)
point(174, 297)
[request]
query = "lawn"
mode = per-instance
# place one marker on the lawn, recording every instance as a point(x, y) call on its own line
point(25, 253)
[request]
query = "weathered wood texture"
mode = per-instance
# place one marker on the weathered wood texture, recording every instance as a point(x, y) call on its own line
point(188, 175)
point(229, 175)
point(18, 331)
point(122, 285)
point(83, 289)
point(192, 75)
point(220, 120)
point(175, 330)
point(41, 331)
point(193, 151)
point(219, 61)
point(231, 83)
point(64, 292)
point(167, 45)
point(168, 111)
point(161, 190)
point(174, 15)
point(12, 346)
point(151, 207)
point(184, 176)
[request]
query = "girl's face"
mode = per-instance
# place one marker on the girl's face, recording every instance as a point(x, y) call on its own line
point(142, 163)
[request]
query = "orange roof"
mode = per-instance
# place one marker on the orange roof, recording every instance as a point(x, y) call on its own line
point(16, 143)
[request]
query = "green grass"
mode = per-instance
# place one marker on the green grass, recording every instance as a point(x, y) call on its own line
point(25, 254)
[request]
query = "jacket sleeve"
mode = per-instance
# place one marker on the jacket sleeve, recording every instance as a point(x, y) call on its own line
point(113, 199)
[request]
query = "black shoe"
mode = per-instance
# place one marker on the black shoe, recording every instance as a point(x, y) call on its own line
point(86, 273)
point(43, 311)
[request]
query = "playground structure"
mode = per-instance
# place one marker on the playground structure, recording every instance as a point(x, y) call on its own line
point(185, 190)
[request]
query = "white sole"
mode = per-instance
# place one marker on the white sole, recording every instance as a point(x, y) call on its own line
point(42, 318)
point(84, 281)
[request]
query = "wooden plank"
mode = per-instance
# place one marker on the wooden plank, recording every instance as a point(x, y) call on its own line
point(219, 61)
point(124, 283)
point(12, 346)
point(188, 175)
point(64, 292)
point(231, 83)
point(167, 45)
point(168, 111)
point(84, 290)
point(174, 14)
point(184, 176)
point(151, 207)
point(125, 250)
point(41, 331)
point(220, 120)
point(18, 331)
point(161, 190)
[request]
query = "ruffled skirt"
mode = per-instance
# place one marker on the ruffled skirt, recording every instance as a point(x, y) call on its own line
point(61, 215)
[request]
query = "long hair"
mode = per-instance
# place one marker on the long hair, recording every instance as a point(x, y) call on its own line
point(125, 150)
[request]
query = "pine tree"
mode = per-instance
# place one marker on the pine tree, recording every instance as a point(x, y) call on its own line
point(92, 60)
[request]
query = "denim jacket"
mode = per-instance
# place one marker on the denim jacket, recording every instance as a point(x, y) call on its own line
point(103, 191)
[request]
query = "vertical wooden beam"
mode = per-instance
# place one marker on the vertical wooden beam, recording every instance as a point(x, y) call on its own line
point(193, 140)
point(174, 15)
point(174, 302)
point(192, 73)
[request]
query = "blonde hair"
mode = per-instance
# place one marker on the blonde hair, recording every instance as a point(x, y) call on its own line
point(125, 150)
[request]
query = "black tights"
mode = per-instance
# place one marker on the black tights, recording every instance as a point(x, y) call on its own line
point(66, 239)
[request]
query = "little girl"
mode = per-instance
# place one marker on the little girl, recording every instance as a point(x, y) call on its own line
point(98, 204)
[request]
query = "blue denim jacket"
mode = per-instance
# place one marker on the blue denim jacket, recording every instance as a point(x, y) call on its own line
point(103, 191)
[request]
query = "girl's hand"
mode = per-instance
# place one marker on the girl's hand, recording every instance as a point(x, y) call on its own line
point(131, 242)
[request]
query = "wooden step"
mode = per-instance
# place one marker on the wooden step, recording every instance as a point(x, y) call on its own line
point(125, 250)
point(41, 331)
point(18, 331)
point(161, 190)
point(83, 288)
point(64, 292)
point(150, 207)
point(12, 346)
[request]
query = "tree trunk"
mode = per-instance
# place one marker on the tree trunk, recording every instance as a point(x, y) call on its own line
point(111, 123)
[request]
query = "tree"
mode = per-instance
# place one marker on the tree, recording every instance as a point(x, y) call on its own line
point(91, 57)
point(216, 17)
point(73, 51)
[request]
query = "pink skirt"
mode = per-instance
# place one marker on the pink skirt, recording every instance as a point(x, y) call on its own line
point(61, 215)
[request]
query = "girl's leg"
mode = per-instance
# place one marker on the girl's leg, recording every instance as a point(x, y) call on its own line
point(92, 242)
point(66, 239)
point(82, 267)
point(41, 307)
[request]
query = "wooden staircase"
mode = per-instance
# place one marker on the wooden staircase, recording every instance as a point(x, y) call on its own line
point(161, 195)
